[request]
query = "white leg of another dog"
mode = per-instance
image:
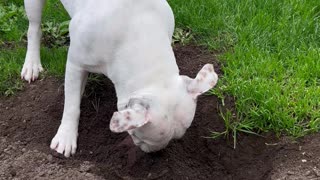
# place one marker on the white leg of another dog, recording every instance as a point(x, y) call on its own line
point(65, 141)
point(32, 65)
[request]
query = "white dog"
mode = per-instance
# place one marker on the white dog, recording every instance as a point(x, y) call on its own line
point(130, 42)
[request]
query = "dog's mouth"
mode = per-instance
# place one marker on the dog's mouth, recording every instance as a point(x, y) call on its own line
point(147, 145)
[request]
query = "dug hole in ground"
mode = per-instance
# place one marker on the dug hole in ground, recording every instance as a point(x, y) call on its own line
point(29, 120)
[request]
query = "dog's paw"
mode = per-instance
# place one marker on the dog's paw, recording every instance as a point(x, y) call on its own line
point(65, 141)
point(30, 71)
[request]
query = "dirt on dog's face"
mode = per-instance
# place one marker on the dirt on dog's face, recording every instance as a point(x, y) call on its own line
point(152, 121)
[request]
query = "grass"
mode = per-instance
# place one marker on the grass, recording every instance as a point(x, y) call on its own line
point(233, 127)
point(270, 56)
point(13, 28)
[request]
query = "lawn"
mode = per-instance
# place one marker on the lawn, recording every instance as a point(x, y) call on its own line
point(269, 51)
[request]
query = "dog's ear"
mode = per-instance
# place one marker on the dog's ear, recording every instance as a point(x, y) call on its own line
point(135, 115)
point(204, 81)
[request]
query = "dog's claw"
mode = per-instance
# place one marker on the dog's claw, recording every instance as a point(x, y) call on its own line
point(30, 71)
point(65, 142)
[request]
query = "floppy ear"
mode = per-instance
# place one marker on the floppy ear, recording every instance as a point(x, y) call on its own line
point(134, 116)
point(204, 81)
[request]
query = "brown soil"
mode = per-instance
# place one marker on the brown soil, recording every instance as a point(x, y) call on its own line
point(30, 119)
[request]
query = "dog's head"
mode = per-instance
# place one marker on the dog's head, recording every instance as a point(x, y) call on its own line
point(153, 120)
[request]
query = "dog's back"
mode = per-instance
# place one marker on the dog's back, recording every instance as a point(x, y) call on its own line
point(107, 32)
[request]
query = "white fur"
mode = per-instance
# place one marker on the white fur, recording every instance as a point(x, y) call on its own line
point(130, 42)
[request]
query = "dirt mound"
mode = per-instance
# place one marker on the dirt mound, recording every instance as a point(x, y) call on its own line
point(29, 120)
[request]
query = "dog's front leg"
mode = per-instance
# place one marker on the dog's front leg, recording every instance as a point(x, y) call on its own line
point(65, 141)
point(32, 65)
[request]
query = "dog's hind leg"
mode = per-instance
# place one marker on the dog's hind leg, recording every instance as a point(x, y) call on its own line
point(32, 65)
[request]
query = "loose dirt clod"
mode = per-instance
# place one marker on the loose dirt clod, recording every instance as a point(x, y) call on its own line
point(316, 171)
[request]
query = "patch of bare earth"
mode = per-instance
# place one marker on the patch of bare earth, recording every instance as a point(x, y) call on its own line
point(30, 119)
